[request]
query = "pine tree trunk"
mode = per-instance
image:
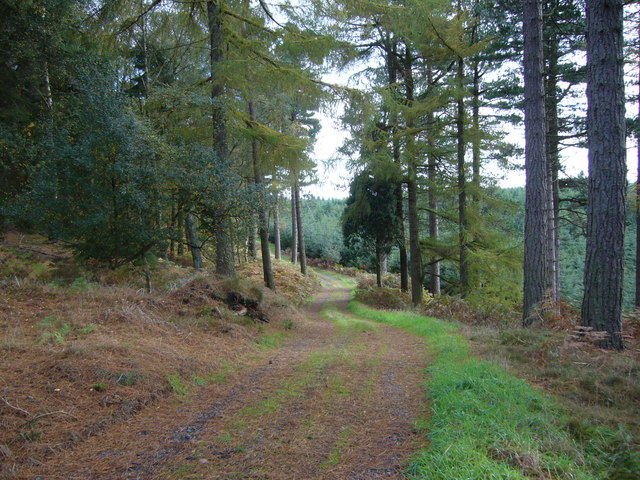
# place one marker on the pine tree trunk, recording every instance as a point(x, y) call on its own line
point(263, 220)
point(432, 197)
point(553, 161)
point(294, 227)
point(252, 242)
point(193, 241)
point(412, 192)
point(303, 253)
point(604, 266)
point(434, 230)
point(172, 240)
point(378, 266)
point(638, 187)
point(462, 183)
point(536, 231)
point(392, 72)
point(276, 229)
point(476, 144)
point(181, 231)
point(224, 243)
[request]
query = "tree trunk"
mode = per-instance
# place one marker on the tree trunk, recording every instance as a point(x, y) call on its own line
point(392, 72)
point(172, 240)
point(224, 243)
point(252, 242)
point(276, 229)
point(263, 220)
point(462, 182)
point(638, 187)
point(536, 265)
point(434, 229)
point(476, 144)
point(412, 191)
point(432, 197)
point(553, 161)
point(303, 253)
point(604, 266)
point(180, 233)
point(193, 241)
point(378, 266)
point(294, 227)
point(48, 97)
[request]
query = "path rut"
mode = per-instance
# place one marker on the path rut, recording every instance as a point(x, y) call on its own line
point(338, 401)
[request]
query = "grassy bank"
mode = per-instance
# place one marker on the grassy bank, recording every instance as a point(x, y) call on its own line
point(489, 424)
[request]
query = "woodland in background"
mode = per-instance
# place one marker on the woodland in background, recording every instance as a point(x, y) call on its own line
point(138, 130)
point(323, 220)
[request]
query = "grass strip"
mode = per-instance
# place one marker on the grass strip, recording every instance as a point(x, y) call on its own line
point(348, 323)
point(488, 424)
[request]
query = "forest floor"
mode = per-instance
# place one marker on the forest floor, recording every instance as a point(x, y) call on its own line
point(327, 397)
point(102, 379)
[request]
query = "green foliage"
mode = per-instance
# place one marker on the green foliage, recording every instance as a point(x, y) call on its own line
point(321, 223)
point(370, 211)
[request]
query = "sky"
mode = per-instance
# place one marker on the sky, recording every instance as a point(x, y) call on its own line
point(334, 176)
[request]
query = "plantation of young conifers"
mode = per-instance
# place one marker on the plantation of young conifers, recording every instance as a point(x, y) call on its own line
point(182, 297)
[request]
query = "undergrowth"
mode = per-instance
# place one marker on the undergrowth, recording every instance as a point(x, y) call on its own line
point(487, 423)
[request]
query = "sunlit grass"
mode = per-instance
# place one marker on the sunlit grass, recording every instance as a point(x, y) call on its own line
point(488, 424)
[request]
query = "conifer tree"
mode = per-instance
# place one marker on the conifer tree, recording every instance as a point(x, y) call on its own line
point(606, 210)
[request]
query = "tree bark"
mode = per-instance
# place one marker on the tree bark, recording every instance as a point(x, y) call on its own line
point(434, 228)
point(553, 160)
point(193, 241)
point(378, 266)
point(432, 197)
point(604, 266)
point(462, 182)
point(180, 233)
point(172, 240)
point(224, 243)
point(276, 229)
point(412, 191)
point(638, 187)
point(392, 72)
point(536, 265)
point(294, 227)
point(252, 242)
point(263, 220)
point(476, 144)
point(303, 253)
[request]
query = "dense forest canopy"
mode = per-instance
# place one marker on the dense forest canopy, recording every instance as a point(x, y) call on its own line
point(137, 130)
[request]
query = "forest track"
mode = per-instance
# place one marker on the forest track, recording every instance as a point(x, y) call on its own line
point(338, 401)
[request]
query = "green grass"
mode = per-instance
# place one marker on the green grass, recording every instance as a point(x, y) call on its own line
point(349, 323)
point(273, 340)
point(177, 385)
point(488, 424)
point(335, 456)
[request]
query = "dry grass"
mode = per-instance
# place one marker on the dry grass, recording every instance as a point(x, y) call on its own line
point(78, 356)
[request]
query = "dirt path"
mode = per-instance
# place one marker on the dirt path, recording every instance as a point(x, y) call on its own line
point(338, 401)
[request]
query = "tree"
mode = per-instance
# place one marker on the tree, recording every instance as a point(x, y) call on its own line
point(606, 209)
point(536, 231)
point(370, 213)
